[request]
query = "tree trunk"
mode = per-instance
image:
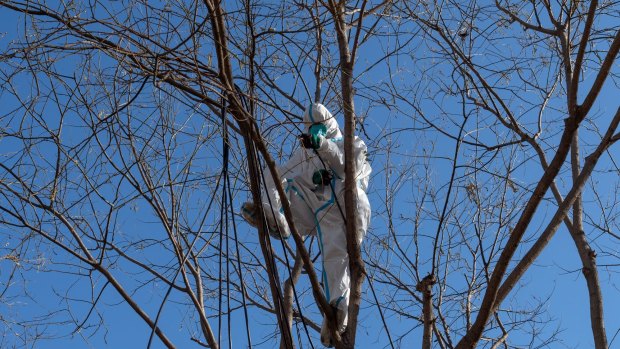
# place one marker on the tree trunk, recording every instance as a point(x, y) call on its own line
point(588, 258)
point(289, 296)
point(426, 287)
point(356, 264)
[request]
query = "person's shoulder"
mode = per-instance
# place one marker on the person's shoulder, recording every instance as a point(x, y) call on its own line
point(357, 141)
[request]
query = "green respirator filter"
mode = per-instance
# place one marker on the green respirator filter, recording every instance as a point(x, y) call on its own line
point(317, 129)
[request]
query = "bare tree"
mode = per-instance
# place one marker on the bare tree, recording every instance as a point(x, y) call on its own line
point(512, 88)
point(132, 131)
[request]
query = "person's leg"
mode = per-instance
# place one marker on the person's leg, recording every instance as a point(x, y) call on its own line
point(336, 278)
point(298, 197)
point(276, 223)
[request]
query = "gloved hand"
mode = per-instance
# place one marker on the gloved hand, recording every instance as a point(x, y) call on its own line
point(311, 141)
point(321, 177)
point(305, 140)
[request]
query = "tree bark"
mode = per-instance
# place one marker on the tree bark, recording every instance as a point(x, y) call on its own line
point(265, 244)
point(489, 301)
point(560, 214)
point(588, 257)
point(289, 296)
point(356, 264)
point(426, 287)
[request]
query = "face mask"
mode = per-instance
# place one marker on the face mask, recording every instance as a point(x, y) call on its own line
point(317, 129)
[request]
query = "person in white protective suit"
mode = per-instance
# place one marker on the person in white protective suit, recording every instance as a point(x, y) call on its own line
point(313, 180)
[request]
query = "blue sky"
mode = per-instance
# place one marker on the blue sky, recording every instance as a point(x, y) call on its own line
point(554, 279)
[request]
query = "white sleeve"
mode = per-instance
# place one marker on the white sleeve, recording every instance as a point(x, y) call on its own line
point(363, 166)
point(332, 153)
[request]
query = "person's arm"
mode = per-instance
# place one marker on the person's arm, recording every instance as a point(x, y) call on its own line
point(362, 164)
point(332, 154)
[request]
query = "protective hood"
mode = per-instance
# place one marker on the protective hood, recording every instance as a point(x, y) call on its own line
point(317, 113)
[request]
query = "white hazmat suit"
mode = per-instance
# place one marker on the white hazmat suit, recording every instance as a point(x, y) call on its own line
point(319, 208)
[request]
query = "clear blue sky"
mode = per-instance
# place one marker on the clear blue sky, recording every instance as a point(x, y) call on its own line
point(555, 278)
